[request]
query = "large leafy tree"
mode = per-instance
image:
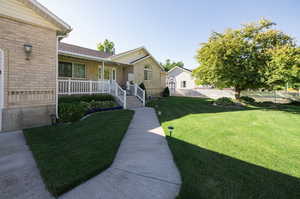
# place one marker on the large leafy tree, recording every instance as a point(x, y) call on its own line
point(168, 65)
point(254, 56)
point(106, 46)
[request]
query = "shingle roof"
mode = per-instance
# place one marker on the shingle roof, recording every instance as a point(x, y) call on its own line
point(81, 50)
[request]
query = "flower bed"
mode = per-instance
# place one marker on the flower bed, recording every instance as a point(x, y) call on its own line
point(73, 108)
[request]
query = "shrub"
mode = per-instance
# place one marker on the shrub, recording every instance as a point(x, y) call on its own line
point(224, 101)
point(85, 98)
point(71, 112)
point(247, 99)
point(166, 92)
point(144, 88)
point(101, 104)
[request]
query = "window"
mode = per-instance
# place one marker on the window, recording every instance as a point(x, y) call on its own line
point(67, 69)
point(100, 72)
point(114, 74)
point(78, 70)
point(183, 84)
point(64, 69)
point(147, 72)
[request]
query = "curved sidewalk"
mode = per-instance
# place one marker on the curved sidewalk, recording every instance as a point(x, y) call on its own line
point(143, 168)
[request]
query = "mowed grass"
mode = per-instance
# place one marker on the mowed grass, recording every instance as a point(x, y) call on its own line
point(233, 152)
point(70, 154)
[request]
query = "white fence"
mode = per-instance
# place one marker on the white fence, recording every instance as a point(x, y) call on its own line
point(84, 87)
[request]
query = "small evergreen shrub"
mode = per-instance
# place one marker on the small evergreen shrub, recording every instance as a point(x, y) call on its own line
point(247, 99)
point(166, 92)
point(224, 101)
point(71, 112)
point(142, 86)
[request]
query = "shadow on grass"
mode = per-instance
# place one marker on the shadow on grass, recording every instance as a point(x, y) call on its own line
point(207, 174)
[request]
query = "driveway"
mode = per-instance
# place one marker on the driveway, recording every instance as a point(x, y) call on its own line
point(204, 93)
point(19, 176)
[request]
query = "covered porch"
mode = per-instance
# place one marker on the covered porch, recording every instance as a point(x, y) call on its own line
point(81, 74)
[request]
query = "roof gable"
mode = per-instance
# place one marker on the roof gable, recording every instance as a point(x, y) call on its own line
point(180, 68)
point(125, 56)
point(32, 12)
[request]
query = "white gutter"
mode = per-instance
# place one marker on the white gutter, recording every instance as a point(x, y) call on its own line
point(134, 62)
point(88, 57)
point(82, 56)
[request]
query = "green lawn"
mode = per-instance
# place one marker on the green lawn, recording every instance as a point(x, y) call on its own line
point(233, 153)
point(68, 155)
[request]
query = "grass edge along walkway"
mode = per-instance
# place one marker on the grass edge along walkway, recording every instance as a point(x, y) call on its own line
point(69, 154)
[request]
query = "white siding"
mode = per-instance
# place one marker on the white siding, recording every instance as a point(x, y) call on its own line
point(181, 75)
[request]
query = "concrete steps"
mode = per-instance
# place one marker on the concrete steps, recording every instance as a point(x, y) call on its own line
point(133, 102)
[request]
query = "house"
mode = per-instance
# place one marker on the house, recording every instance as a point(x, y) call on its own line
point(180, 78)
point(137, 66)
point(36, 67)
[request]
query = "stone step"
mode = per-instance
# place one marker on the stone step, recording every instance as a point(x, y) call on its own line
point(133, 102)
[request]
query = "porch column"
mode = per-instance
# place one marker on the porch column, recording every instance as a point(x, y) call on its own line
point(102, 76)
point(102, 71)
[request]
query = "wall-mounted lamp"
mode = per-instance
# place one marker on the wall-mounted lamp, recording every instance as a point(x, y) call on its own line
point(27, 50)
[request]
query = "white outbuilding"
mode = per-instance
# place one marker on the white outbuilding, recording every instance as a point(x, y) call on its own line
point(180, 78)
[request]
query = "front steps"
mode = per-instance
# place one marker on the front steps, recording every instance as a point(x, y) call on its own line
point(133, 102)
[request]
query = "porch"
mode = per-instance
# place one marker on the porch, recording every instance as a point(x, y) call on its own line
point(82, 74)
point(89, 87)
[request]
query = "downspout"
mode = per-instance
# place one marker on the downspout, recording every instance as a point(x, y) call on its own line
point(58, 38)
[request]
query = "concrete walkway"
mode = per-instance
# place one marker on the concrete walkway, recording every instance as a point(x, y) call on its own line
point(143, 168)
point(19, 176)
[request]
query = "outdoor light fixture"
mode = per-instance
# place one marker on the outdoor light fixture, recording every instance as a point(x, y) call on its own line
point(27, 50)
point(171, 128)
point(159, 113)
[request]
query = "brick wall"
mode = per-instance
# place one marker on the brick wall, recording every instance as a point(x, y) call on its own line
point(31, 77)
point(29, 84)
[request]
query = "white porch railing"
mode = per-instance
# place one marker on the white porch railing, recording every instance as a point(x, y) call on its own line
point(140, 94)
point(137, 91)
point(83, 87)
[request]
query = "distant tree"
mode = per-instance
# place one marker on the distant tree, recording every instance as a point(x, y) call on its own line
point(168, 65)
point(254, 56)
point(106, 46)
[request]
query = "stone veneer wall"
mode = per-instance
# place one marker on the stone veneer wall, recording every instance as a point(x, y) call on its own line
point(29, 93)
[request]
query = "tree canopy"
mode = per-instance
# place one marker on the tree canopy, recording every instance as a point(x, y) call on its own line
point(106, 46)
point(168, 65)
point(252, 57)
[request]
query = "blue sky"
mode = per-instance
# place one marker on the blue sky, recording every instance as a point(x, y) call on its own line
point(170, 29)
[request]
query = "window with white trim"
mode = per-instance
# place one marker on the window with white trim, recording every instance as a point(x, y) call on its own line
point(71, 70)
point(147, 72)
point(100, 72)
point(183, 84)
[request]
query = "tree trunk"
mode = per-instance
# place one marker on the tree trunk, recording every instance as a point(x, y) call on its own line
point(237, 93)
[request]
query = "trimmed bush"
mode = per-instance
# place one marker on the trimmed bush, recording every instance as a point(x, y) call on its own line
point(85, 98)
point(71, 112)
point(166, 92)
point(247, 99)
point(101, 104)
point(144, 88)
point(224, 101)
